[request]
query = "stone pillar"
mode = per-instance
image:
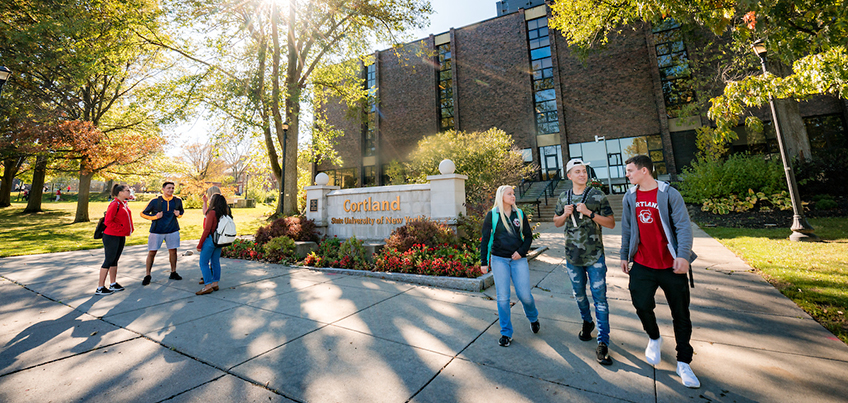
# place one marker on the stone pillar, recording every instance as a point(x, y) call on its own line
point(447, 194)
point(316, 201)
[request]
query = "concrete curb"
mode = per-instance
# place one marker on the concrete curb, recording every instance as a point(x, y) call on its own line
point(456, 283)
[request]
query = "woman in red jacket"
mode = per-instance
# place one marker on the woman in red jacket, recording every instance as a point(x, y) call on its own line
point(119, 226)
point(210, 255)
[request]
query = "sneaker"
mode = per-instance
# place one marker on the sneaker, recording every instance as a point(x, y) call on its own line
point(115, 287)
point(603, 354)
point(535, 326)
point(687, 376)
point(146, 280)
point(102, 291)
point(175, 276)
point(504, 341)
point(586, 333)
point(652, 352)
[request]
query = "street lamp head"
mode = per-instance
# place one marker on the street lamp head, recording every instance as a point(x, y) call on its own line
point(759, 47)
point(4, 74)
point(285, 126)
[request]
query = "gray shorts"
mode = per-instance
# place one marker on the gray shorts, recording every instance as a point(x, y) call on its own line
point(172, 240)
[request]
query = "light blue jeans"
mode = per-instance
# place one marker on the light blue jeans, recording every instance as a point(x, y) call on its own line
point(504, 269)
point(210, 262)
point(597, 276)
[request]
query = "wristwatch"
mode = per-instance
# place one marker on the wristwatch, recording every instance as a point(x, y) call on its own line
point(592, 216)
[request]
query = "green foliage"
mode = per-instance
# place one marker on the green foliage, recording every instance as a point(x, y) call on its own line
point(826, 204)
point(826, 173)
point(333, 252)
point(488, 158)
point(752, 200)
point(279, 249)
point(716, 179)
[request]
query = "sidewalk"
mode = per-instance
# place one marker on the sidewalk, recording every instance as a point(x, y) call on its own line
point(281, 334)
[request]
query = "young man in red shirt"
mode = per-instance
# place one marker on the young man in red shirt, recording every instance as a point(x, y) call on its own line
point(656, 235)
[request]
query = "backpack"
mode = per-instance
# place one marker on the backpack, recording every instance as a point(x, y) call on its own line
point(225, 234)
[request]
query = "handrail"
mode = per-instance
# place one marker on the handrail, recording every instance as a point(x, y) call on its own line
point(521, 189)
point(552, 184)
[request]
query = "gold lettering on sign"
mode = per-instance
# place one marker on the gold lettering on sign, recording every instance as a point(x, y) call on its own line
point(370, 205)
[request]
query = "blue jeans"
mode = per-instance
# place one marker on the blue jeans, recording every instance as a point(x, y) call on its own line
point(210, 262)
point(504, 269)
point(597, 275)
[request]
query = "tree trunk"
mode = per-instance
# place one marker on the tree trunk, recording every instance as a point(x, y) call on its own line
point(82, 199)
point(106, 189)
point(37, 190)
point(797, 141)
point(11, 165)
point(290, 168)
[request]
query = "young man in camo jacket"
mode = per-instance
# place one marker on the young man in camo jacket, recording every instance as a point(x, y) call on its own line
point(583, 211)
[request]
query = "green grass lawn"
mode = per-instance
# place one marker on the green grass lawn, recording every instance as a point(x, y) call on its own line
point(814, 275)
point(53, 230)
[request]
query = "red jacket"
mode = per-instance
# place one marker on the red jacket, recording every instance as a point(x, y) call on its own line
point(118, 219)
point(210, 223)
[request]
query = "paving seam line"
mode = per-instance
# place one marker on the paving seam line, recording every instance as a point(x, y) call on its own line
point(71, 356)
point(191, 389)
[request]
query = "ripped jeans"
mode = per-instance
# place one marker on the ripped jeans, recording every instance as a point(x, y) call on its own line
point(597, 276)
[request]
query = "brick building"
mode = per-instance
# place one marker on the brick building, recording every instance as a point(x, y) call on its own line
point(512, 73)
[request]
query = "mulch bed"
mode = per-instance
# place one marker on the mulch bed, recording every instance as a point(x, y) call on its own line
point(757, 219)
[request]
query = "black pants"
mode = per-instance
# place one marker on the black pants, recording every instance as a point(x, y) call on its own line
point(114, 245)
point(643, 289)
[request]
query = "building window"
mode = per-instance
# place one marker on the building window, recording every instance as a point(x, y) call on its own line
point(673, 62)
point(369, 176)
point(611, 168)
point(547, 121)
point(446, 115)
point(347, 178)
point(369, 138)
point(826, 133)
point(527, 154)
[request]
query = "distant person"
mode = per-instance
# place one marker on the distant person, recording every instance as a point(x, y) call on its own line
point(26, 194)
point(213, 190)
point(504, 247)
point(119, 226)
point(210, 255)
point(163, 211)
point(69, 188)
point(583, 211)
point(58, 194)
point(656, 236)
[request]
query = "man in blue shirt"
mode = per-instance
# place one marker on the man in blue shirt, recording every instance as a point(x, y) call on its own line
point(163, 211)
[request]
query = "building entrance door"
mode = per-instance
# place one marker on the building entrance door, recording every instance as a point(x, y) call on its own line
point(551, 158)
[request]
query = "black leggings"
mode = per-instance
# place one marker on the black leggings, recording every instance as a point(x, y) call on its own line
point(644, 282)
point(113, 245)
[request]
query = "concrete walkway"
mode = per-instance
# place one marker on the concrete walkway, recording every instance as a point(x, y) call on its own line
point(280, 334)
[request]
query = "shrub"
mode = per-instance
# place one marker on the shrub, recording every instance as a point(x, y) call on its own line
point(297, 228)
point(279, 249)
point(733, 203)
point(242, 249)
point(823, 174)
point(332, 252)
point(423, 232)
point(714, 179)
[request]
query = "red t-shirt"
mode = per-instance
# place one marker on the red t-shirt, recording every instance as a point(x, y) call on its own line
point(653, 246)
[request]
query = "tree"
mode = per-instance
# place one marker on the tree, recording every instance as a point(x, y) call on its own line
point(489, 159)
point(809, 35)
point(84, 61)
point(286, 48)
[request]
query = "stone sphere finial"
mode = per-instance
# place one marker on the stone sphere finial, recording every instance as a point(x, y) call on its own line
point(322, 179)
point(447, 167)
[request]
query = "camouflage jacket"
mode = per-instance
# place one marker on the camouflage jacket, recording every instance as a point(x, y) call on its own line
point(583, 243)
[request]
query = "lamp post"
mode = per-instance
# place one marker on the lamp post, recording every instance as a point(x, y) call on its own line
point(802, 231)
point(606, 156)
point(4, 76)
point(283, 170)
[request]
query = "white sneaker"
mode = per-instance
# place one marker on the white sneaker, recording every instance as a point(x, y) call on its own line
point(687, 376)
point(652, 352)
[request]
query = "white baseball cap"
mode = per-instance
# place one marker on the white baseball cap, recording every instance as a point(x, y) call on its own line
point(574, 162)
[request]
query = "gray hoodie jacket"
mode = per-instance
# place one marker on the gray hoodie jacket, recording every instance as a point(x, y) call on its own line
point(679, 240)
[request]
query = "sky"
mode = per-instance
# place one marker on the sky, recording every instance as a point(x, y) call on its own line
point(447, 14)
